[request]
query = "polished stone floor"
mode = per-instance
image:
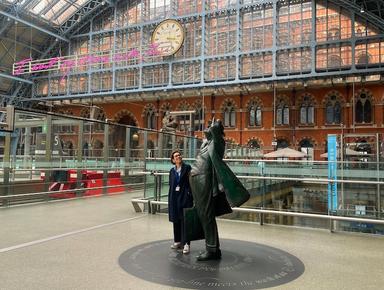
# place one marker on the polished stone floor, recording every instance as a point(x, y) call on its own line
point(77, 244)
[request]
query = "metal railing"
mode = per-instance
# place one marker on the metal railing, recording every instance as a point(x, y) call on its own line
point(155, 198)
point(47, 196)
point(261, 211)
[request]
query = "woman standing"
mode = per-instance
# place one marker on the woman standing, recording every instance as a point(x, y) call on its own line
point(179, 197)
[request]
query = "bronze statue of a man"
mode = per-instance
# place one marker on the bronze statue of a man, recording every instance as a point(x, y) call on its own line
point(214, 188)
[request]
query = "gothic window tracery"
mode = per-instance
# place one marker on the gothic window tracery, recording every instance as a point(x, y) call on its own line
point(149, 115)
point(229, 114)
point(363, 108)
point(333, 110)
point(254, 114)
point(307, 111)
point(282, 112)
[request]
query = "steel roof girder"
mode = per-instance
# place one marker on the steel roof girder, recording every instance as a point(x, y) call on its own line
point(353, 6)
point(6, 76)
point(79, 14)
point(22, 43)
point(16, 18)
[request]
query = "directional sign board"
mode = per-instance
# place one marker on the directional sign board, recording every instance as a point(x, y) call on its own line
point(332, 173)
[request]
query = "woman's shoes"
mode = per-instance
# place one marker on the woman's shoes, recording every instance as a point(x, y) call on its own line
point(176, 246)
point(186, 249)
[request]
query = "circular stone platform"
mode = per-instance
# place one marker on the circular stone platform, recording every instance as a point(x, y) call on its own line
point(243, 265)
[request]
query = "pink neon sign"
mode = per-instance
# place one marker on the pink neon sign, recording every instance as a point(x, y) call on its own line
point(66, 64)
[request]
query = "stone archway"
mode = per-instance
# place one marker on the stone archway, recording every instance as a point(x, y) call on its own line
point(125, 117)
point(282, 142)
point(118, 133)
point(307, 146)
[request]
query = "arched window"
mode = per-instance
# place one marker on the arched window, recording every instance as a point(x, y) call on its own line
point(253, 144)
point(229, 115)
point(363, 109)
point(199, 118)
point(282, 143)
point(333, 110)
point(306, 143)
point(119, 133)
point(254, 114)
point(307, 111)
point(282, 113)
point(99, 114)
point(150, 120)
point(149, 115)
point(306, 147)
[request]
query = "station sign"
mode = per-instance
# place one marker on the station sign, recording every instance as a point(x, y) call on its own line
point(332, 173)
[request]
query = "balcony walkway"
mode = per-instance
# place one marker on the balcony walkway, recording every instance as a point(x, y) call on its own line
point(77, 244)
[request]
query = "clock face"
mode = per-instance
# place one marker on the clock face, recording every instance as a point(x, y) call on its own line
point(169, 36)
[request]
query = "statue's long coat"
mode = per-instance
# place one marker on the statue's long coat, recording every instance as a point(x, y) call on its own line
point(234, 190)
point(215, 175)
point(214, 188)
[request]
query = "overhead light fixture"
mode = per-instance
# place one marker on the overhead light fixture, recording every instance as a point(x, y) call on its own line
point(362, 9)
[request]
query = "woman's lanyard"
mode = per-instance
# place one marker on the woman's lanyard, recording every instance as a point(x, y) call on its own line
point(178, 173)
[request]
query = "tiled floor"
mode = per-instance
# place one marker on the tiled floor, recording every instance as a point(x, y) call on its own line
point(76, 245)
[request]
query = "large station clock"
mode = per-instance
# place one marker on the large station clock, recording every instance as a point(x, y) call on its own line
point(169, 36)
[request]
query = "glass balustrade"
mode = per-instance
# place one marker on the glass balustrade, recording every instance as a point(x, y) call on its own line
point(52, 156)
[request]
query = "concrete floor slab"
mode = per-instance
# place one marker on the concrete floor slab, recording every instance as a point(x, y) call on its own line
point(76, 245)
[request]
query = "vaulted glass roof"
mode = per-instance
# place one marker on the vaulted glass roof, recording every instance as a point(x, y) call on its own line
point(54, 11)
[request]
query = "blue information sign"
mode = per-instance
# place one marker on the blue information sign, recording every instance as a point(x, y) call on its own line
point(332, 172)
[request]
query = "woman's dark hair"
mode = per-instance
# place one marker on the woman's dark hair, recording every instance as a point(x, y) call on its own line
point(173, 153)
